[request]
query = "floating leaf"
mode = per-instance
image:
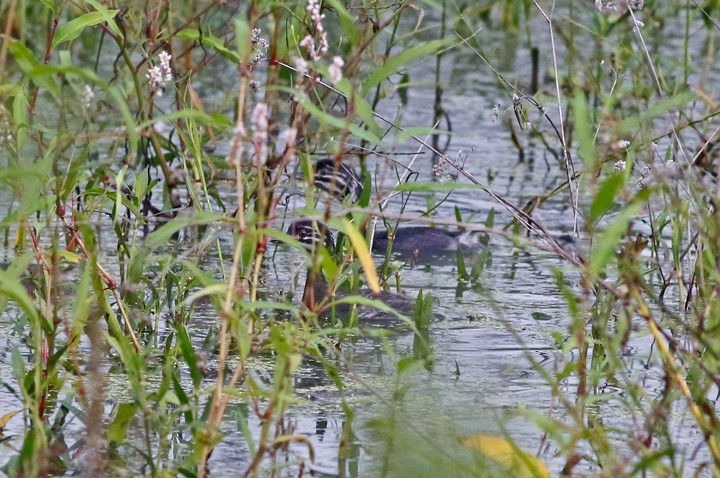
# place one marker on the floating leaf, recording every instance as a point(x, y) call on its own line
point(541, 316)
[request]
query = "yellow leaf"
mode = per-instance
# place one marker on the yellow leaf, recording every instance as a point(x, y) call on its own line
point(507, 455)
point(6, 418)
point(363, 253)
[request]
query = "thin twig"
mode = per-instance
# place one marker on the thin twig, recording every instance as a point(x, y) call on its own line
point(569, 166)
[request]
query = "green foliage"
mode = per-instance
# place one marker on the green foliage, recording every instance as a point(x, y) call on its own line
point(145, 164)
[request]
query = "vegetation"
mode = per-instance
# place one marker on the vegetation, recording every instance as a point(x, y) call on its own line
point(148, 152)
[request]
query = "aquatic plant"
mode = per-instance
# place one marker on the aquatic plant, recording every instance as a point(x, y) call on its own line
point(150, 153)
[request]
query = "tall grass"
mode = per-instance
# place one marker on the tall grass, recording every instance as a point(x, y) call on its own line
point(127, 129)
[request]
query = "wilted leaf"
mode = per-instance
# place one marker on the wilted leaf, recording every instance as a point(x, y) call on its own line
point(507, 455)
point(6, 418)
point(363, 253)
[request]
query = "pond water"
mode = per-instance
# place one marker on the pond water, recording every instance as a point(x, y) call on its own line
point(484, 335)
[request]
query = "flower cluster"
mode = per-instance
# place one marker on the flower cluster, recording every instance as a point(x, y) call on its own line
point(448, 168)
point(618, 6)
point(259, 123)
point(87, 97)
point(308, 42)
point(259, 41)
point(5, 130)
point(160, 75)
point(495, 113)
point(623, 144)
point(335, 69)
point(301, 66)
point(261, 44)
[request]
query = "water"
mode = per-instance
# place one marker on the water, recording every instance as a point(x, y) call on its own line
point(481, 378)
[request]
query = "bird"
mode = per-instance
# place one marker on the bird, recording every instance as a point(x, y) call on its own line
point(313, 234)
point(417, 242)
point(310, 233)
point(338, 180)
point(424, 242)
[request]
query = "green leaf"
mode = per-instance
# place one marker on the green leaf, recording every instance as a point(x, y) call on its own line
point(632, 124)
point(82, 303)
point(20, 117)
point(193, 34)
point(583, 129)
point(407, 133)
point(216, 121)
point(52, 6)
point(72, 29)
point(165, 233)
point(392, 64)
point(188, 352)
point(338, 123)
point(402, 89)
point(27, 62)
point(9, 90)
point(119, 179)
point(605, 197)
point(107, 16)
point(347, 21)
point(242, 37)
point(18, 364)
point(438, 187)
point(364, 200)
point(604, 247)
point(140, 188)
point(423, 313)
point(117, 430)
point(41, 71)
point(11, 287)
point(462, 269)
point(362, 107)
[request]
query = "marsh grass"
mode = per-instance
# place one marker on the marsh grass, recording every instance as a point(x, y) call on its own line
point(136, 195)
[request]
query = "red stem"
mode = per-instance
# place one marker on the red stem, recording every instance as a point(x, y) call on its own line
point(46, 60)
